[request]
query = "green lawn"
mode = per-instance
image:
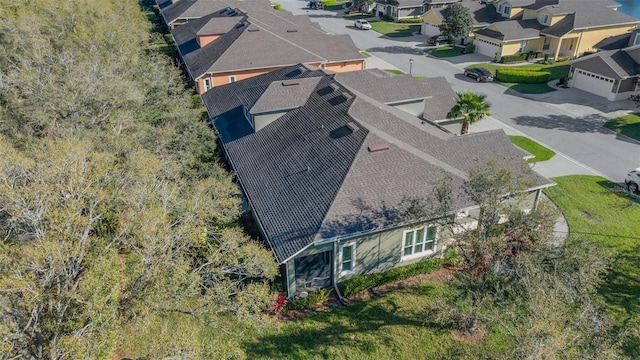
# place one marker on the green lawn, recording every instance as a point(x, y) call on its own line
point(334, 5)
point(394, 71)
point(365, 54)
point(393, 29)
point(603, 212)
point(557, 71)
point(539, 152)
point(445, 51)
point(628, 125)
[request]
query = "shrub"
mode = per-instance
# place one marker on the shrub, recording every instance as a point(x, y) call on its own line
point(365, 282)
point(564, 58)
point(469, 48)
point(314, 298)
point(277, 6)
point(388, 18)
point(522, 76)
point(279, 303)
point(410, 21)
point(514, 58)
point(451, 258)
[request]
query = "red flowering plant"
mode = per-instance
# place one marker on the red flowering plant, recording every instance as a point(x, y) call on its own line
point(279, 302)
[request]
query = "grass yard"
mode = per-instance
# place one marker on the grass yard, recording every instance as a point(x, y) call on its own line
point(606, 214)
point(557, 71)
point(334, 5)
point(394, 71)
point(539, 152)
point(628, 125)
point(394, 30)
point(445, 51)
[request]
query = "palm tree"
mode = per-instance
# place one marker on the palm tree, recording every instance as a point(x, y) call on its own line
point(471, 107)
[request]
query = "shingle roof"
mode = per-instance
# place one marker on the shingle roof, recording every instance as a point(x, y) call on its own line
point(280, 39)
point(512, 30)
point(286, 94)
point(309, 177)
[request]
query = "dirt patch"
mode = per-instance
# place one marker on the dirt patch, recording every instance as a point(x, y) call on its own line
point(471, 337)
point(441, 275)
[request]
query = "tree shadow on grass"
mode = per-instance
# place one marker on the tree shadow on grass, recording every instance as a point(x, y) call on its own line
point(318, 333)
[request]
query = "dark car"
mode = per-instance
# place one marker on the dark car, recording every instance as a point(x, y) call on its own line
point(438, 39)
point(480, 74)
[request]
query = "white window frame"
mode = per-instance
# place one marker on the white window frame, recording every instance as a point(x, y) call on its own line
point(544, 19)
point(414, 250)
point(344, 271)
point(636, 41)
point(232, 79)
point(208, 84)
point(507, 10)
point(500, 8)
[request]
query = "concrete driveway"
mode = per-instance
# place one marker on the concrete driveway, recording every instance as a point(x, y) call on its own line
point(569, 121)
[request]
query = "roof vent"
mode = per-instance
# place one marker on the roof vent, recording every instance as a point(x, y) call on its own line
point(240, 24)
point(253, 30)
point(379, 147)
point(347, 96)
point(290, 83)
point(225, 10)
point(233, 13)
point(302, 69)
point(334, 86)
point(292, 30)
point(352, 126)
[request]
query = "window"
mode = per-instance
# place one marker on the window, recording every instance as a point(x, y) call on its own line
point(347, 258)
point(522, 45)
point(418, 241)
point(207, 84)
point(507, 10)
point(636, 41)
point(544, 19)
point(547, 44)
point(500, 8)
point(232, 79)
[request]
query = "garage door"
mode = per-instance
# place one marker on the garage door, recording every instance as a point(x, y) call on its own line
point(486, 47)
point(593, 83)
point(429, 29)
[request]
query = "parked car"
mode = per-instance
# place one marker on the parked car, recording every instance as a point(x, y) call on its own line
point(353, 10)
point(438, 39)
point(480, 74)
point(362, 24)
point(633, 180)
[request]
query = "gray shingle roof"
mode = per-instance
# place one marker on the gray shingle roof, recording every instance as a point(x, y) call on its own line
point(218, 25)
point(287, 94)
point(308, 177)
point(512, 30)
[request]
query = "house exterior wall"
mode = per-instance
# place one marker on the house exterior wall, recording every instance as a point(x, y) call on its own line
point(343, 66)
point(627, 85)
point(262, 120)
point(203, 40)
point(430, 22)
point(528, 14)
point(409, 12)
point(590, 37)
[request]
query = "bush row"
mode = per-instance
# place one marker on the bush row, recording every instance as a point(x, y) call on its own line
point(520, 57)
point(410, 21)
point(522, 76)
point(361, 283)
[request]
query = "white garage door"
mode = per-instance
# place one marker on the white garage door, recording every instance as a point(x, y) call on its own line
point(486, 47)
point(429, 29)
point(593, 83)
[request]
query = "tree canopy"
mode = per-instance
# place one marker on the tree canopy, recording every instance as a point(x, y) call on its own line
point(471, 107)
point(117, 217)
point(457, 22)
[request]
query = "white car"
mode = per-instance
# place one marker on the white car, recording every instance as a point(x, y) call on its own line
point(633, 180)
point(362, 24)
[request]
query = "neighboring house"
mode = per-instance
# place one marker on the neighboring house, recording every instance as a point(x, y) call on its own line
point(483, 16)
point(555, 27)
point(402, 9)
point(612, 74)
point(220, 45)
point(325, 161)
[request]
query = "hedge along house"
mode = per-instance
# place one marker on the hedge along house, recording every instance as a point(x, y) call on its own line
point(220, 45)
point(325, 166)
point(556, 27)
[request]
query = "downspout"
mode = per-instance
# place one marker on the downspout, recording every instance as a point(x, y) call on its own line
point(334, 278)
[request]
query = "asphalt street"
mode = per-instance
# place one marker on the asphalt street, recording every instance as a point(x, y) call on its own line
point(568, 120)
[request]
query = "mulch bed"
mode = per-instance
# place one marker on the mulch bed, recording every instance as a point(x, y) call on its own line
point(441, 275)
